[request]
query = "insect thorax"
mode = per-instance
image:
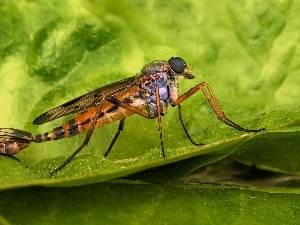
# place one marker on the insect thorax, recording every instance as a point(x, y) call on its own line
point(158, 74)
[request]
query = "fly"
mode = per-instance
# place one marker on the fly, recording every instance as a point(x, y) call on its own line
point(147, 94)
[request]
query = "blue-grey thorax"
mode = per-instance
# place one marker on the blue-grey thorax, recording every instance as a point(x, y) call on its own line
point(158, 75)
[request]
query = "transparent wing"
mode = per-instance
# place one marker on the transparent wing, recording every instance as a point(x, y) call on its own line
point(14, 135)
point(82, 103)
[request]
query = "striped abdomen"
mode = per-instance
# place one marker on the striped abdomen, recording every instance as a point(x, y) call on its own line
point(83, 122)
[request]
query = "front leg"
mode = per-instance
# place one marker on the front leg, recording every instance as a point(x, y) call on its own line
point(204, 87)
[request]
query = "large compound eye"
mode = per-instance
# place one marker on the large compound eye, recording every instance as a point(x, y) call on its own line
point(177, 64)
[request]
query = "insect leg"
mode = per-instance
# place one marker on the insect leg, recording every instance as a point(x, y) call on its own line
point(204, 87)
point(120, 128)
point(141, 113)
point(128, 107)
point(184, 128)
point(13, 157)
point(85, 142)
point(159, 121)
point(90, 131)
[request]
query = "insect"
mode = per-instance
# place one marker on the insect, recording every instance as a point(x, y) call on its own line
point(147, 94)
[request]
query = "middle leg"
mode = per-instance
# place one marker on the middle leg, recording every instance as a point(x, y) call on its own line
point(120, 129)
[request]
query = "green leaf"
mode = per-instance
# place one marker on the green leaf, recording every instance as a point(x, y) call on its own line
point(135, 202)
point(277, 151)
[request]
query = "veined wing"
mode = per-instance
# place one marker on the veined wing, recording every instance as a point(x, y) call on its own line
point(14, 135)
point(85, 101)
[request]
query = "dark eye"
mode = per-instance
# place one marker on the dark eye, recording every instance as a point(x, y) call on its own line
point(177, 64)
